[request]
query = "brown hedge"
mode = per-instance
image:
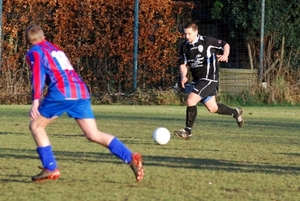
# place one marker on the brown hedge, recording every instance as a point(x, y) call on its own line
point(98, 37)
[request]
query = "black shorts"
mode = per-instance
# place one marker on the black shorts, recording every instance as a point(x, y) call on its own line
point(205, 89)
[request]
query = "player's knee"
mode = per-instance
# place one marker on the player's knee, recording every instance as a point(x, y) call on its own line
point(32, 126)
point(91, 137)
point(212, 110)
point(191, 102)
point(29, 126)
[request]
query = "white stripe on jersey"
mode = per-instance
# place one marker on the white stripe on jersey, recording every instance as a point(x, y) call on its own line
point(209, 55)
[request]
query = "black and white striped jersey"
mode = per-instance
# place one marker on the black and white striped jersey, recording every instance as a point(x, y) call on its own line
point(201, 58)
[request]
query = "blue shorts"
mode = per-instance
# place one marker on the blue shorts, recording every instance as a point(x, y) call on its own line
point(204, 100)
point(78, 109)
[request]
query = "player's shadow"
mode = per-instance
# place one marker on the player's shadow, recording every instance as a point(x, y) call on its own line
point(15, 179)
point(156, 161)
point(291, 154)
point(220, 165)
point(206, 119)
point(11, 133)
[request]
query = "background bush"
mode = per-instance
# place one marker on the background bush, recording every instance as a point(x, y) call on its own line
point(98, 37)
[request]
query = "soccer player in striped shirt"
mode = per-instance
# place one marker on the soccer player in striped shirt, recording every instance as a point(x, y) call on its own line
point(66, 93)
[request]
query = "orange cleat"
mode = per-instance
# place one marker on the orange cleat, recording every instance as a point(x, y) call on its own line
point(46, 175)
point(137, 166)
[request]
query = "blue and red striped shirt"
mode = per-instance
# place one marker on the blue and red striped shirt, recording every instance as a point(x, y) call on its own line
point(50, 66)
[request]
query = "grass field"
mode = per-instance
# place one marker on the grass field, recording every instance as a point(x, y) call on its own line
point(221, 162)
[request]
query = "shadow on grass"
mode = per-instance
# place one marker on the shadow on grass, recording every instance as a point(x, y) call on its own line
point(21, 179)
point(221, 165)
point(291, 154)
point(12, 133)
point(205, 118)
point(163, 161)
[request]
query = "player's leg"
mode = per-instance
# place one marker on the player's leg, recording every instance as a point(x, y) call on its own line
point(201, 90)
point(191, 114)
point(114, 145)
point(37, 128)
point(44, 149)
point(212, 106)
point(90, 130)
point(85, 119)
point(49, 111)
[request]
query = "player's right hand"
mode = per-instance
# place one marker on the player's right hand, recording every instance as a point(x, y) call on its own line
point(183, 81)
point(34, 112)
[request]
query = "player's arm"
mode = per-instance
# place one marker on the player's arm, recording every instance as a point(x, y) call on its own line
point(220, 45)
point(183, 68)
point(183, 74)
point(37, 82)
point(224, 56)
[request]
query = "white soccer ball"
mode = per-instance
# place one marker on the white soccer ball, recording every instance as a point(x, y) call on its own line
point(161, 135)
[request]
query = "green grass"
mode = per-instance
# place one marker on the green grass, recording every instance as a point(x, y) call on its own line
point(221, 162)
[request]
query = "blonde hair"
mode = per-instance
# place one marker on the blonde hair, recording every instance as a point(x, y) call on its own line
point(34, 34)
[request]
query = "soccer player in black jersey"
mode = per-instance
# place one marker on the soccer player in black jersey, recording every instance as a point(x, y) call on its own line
point(199, 54)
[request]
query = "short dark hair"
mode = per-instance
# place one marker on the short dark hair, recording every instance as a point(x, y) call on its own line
point(192, 25)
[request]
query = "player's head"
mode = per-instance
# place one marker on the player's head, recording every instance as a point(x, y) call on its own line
point(34, 34)
point(191, 31)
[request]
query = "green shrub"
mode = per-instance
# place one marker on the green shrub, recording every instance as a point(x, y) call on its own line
point(277, 93)
point(143, 97)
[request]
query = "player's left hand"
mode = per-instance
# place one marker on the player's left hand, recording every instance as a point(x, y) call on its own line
point(222, 58)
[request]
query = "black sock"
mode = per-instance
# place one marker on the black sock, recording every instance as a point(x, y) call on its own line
point(188, 130)
point(223, 109)
point(191, 114)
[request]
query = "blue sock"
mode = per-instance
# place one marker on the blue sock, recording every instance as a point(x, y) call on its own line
point(117, 148)
point(47, 157)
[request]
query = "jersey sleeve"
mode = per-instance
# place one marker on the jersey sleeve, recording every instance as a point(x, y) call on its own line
point(38, 76)
point(182, 55)
point(216, 42)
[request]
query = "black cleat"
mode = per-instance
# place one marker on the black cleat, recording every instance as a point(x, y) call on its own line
point(239, 118)
point(183, 134)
